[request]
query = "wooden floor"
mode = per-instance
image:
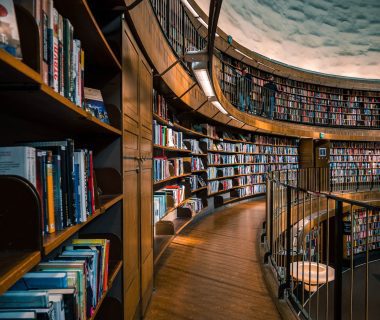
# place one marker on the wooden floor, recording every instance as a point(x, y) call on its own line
point(212, 270)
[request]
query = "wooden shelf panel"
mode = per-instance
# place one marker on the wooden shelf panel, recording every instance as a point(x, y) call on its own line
point(98, 53)
point(114, 269)
point(171, 178)
point(13, 265)
point(16, 72)
point(54, 240)
point(160, 245)
point(157, 146)
point(42, 105)
point(199, 189)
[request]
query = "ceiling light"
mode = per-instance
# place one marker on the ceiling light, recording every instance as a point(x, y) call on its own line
point(202, 76)
point(219, 106)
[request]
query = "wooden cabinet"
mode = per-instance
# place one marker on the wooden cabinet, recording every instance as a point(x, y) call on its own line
point(137, 164)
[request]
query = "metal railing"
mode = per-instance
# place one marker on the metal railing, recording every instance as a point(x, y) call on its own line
point(322, 247)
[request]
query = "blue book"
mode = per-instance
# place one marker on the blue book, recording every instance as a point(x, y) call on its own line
point(58, 206)
point(41, 280)
point(24, 299)
point(77, 193)
point(26, 315)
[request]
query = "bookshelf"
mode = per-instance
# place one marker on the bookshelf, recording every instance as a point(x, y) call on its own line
point(225, 166)
point(355, 240)
point(298, 101)
point(354, 165)
point(181, 195)
point(33, 111)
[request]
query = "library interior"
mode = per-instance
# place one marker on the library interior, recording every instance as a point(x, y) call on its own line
point(189, 159)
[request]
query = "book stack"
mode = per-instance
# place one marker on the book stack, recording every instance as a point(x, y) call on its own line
point(69, 286)
point(167, 137)
point(62, 56)
point(62, 175)
point(194, 146)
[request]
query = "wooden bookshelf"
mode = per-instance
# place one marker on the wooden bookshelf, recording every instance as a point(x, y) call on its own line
point(160, 182)
point(114, 269)
point(199, 189)
point(54, 240)
point(14, 265)
point(172, 149)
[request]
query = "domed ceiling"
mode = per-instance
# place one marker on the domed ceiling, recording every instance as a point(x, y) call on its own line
point(340, 37)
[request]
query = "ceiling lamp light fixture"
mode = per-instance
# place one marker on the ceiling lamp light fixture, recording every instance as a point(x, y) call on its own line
point(203, 78)
point(218, 105)
point(199, 60)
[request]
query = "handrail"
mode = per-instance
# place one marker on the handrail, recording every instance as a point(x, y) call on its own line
point(316, 240)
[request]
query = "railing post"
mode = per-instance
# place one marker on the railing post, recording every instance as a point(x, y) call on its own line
point(285, 286)
point(338, 237)
point(269, 221)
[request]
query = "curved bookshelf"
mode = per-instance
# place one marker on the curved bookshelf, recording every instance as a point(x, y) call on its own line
point(160, 182)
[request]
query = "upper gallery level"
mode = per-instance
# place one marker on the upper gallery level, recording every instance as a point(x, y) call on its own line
point(303, 103)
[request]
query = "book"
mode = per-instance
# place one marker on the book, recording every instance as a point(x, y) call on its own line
point(9, 35)
point(11, 314)
point(50, 193)
point(41, 280)
point(19, 161)
point(94, 104)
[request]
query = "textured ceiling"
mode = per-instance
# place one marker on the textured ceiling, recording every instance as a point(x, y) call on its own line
point(339, 37)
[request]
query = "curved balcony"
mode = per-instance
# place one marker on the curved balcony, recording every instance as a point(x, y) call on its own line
point(324, 247)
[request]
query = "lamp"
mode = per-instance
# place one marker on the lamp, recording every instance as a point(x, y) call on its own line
point(199, 61)
point(219, 106)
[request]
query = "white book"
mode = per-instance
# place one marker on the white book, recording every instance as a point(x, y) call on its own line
point(79, 159)
point(58, 306)
point(19, 161)
point(55, 51)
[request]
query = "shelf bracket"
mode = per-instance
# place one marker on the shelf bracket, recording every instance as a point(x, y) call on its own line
point(167, 69)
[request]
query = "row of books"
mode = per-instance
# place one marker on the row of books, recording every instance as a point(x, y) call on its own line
point(360, 233)
point(214, 172)
point(160, 199)
point(355, 158)
point(254, 179)
point(68, 287)
point(220, 185)
point(62, 56)
point(250, 190)
point(160, 168)
point(196, 182)
point(160, 106)
point(197, 164)
point(231, 70)
point(194, 204)
point(62, 175)
point(194, 146)
point(167, 137)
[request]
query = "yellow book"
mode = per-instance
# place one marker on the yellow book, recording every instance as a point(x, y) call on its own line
point(50, 193)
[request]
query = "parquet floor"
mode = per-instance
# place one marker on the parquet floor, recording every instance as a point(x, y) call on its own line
point(212, 270)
